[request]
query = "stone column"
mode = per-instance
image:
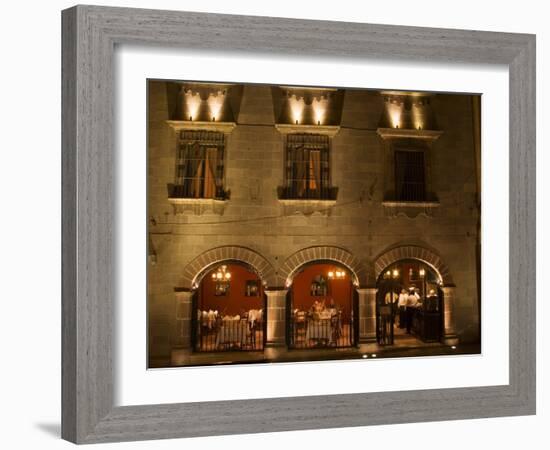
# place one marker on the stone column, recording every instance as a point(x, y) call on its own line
point(182, 333)
point(449, 331)
point(276, 318)
point(367, 315)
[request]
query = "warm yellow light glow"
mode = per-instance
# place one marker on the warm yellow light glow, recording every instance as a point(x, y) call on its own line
point(320, 106)
point(192, 103)
point(422, 272)
point(394, 113)
point(417, 117)
point(221, 274)
point(395, 273)
point(339, 274)
point(388, 273)
point(215, 103)
point(296, 108)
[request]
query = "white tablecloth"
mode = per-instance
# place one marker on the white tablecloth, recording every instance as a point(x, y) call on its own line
point(319, 329)
point(232, 331)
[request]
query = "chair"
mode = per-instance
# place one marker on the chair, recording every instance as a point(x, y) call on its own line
point(300, 326)
point(335, 324)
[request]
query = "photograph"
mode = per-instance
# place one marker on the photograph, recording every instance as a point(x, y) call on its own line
point(310, 223)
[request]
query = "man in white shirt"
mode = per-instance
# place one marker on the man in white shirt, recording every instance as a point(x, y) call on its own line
point(412, 302)
point(402, 305)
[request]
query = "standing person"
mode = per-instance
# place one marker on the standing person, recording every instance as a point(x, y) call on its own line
point(418, 298)
point(402, 306)
point(411, 306)
point(388, 298)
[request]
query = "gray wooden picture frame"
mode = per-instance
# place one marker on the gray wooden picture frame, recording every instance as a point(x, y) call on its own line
point(90, 34)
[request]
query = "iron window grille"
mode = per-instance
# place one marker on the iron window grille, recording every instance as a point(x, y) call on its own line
point(410, 177)
point(199, 166)
point(308, 168)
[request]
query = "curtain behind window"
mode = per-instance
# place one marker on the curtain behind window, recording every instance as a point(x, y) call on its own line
point(314, 170)
point(210, 163)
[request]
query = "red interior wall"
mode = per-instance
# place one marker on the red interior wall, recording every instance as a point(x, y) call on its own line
point(339, 290)
point(235, 302)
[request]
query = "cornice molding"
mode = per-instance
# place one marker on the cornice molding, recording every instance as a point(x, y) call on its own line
point(405, 133)
point(220, 127)
point(328, 130)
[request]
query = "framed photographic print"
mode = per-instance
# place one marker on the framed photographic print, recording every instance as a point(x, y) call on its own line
point(305, 219)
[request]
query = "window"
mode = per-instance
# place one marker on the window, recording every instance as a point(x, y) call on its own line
point(410, 181)
point(199, 165)
point(307, 167)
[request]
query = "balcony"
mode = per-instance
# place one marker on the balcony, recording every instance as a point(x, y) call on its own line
point(184, 201)
point(308, 201)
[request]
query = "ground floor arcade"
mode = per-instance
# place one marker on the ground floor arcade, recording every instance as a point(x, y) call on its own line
point(324, 308)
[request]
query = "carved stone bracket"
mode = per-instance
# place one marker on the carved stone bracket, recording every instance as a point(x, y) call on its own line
point(307, 207)
point(409, 209)
point(197, 206)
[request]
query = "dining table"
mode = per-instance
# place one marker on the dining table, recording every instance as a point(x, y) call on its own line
point(232, 331)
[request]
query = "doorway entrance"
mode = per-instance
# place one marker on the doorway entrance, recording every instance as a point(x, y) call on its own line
point(321, 307)
point(229, 310)
point(409, 304)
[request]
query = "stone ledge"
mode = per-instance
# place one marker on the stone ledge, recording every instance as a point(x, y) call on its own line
point(403, 133)
point(395, 203)
point(197, 206)
point(221, 127)
point(327, 130)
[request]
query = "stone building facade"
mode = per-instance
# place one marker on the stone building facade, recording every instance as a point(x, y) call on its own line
point(360, 223)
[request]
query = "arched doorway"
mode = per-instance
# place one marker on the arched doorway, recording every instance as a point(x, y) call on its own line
point(229, 309)
point(409, 303)
point(321, 307)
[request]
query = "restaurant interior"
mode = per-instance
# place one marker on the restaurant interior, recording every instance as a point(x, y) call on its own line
point(229, 308)
point(409, 303)
point(320, 308)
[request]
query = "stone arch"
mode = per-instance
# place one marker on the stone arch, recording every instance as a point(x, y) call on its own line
point(323, 253)
point(197, 267)
point(413, 252)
